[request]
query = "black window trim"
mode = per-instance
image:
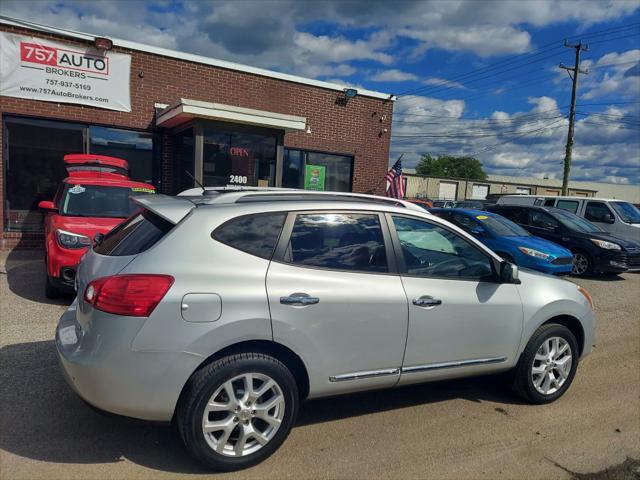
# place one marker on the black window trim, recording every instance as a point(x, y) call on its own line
point(285, 213)
point(285, 236)
point(402, 266)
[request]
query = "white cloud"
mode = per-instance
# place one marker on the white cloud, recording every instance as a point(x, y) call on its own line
point(528, 143)
point(612, 73)
point(481, 40)
point(392, 75)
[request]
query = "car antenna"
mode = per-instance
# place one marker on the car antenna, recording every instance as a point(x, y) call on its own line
point(204, 190)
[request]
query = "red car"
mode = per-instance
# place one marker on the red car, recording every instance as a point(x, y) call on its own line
point(94, 198)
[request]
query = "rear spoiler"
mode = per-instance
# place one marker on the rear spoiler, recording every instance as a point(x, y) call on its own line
point(172, 209)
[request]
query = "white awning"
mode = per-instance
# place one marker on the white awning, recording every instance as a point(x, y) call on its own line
point(186, 109)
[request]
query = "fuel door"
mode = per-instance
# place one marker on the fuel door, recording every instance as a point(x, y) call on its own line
point(201, 307)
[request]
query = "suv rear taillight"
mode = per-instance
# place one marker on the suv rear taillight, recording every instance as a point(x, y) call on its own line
point(129, 295)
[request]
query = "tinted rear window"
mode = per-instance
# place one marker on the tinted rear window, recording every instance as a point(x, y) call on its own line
point(135, 235)
point(254, 234)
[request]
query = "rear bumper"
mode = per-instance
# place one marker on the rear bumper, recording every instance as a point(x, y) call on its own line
point(100, 366)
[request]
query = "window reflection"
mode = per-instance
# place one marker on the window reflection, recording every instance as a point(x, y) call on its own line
point(238, 158)
point(135, 147)
point(338, 241)
point(339, 169)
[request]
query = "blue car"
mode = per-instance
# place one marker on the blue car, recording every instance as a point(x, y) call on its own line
point(509, 240)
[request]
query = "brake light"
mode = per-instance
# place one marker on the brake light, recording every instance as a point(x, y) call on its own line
point(129, 295)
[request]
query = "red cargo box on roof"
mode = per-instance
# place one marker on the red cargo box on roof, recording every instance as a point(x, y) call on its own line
point(80, 162)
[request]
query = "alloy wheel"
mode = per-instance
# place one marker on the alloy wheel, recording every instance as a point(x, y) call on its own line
point(580, 263)
point(551, 365)
point(243, 414)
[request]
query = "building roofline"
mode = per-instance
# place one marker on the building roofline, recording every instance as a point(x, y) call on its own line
point(190, 57)
point(524, 183)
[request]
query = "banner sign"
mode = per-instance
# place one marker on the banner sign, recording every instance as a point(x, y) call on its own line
point(314, 177)
point(41, 69)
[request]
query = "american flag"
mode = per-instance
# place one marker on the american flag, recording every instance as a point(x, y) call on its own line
point(395, 180)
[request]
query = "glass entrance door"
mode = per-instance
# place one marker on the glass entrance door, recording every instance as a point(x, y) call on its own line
point(238, 158)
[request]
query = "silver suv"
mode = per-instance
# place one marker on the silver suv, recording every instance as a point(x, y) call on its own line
point(223, 311)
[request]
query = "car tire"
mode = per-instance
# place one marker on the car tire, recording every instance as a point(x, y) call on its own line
point(539, 364)
point(50, 290)
point(582, 263)
point(206, 405)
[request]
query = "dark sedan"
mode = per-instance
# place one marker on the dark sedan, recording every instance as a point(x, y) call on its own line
point(594, 251)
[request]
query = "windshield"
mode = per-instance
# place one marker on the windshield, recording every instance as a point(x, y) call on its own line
point(628, 212)
point(100, 201)
point(575, 222)
point(501, 226)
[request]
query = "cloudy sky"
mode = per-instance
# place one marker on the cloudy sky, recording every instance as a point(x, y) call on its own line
point(473, 77)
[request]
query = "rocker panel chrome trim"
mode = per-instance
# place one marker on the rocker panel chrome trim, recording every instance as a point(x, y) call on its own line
point(461, 363)
point(343, 377)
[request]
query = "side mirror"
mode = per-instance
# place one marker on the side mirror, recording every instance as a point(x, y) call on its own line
point(47, 205)
point(97, 239)
point(607, 218)
point(508, 273)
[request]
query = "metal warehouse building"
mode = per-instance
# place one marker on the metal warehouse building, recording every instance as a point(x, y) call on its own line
point(171, 115)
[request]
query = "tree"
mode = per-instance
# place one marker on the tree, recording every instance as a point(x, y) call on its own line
point(450, 166)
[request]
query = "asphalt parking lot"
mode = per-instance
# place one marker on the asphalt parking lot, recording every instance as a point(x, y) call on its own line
point(463, 429)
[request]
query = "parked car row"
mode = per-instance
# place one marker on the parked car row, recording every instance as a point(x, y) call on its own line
point(616, 217)
point(553, 238)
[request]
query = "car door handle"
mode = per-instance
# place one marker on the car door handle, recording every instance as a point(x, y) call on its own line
point(299, 300)
point(426, 301)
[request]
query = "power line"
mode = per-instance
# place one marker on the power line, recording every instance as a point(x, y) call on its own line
point(605, 104)
point(608, 124)
point(613, 39)
point(611, 118)
point(491, 147)
point(458, 119)
point(502, 63)
point(461, 135)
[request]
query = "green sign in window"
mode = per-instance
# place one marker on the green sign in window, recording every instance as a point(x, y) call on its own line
point(314, 177)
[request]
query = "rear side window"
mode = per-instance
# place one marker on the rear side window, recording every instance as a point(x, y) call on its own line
point(254, 234)
point(569, 205)
point(338, 241)
point(543, 220)
point(135, 235)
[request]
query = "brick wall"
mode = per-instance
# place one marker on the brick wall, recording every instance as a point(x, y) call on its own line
point(352, 129)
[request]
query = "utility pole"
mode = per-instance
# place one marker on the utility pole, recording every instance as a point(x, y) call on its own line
point(576, 70)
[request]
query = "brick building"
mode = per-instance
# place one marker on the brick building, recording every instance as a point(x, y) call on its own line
point(224, 123)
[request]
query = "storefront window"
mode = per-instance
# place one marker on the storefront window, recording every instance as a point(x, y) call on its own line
point(34, 166)
point(338, 173)
point(238, 158)
point(135, 147)
point(34, 161)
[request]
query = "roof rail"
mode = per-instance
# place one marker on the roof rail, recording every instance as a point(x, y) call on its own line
point(230, 195)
